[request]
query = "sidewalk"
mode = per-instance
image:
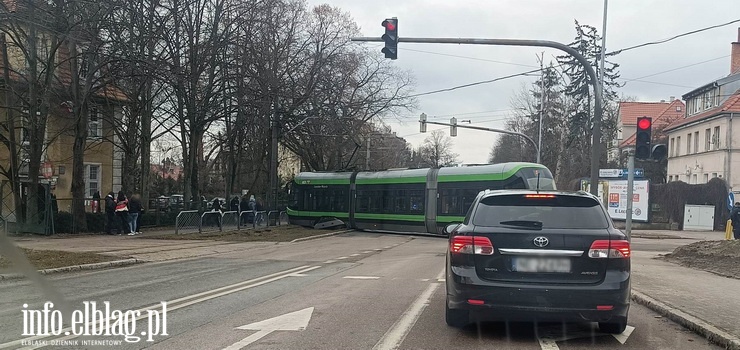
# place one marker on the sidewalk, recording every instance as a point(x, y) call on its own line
point(703, 295)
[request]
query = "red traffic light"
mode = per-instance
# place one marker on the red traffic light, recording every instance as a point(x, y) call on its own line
point(389, 25)
point(644, 124)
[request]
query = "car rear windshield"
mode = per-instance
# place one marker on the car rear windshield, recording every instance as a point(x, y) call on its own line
point(543, 211)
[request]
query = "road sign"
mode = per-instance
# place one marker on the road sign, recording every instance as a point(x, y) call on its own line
point(730, 200)
point(620, 173)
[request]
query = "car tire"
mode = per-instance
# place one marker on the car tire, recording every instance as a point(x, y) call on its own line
point(613, 327)
point(456, 318)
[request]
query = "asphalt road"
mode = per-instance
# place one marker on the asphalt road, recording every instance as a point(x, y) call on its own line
point(353, 291)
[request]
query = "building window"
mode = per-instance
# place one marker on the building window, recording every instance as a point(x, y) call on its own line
point(673, 144)
point(95, 123)
point(708, 139)
point(696, 142)
point(678, 146)
point(92, 179)
point(706, 178)
point(715, 138)
point(670, 178)
point(714, 175)
point(688, 144)
point(694, 179)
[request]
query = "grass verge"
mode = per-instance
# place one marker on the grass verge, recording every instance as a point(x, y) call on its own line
point(49, 259)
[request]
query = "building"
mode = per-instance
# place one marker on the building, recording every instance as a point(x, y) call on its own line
point(102, 160)
point(705, 143)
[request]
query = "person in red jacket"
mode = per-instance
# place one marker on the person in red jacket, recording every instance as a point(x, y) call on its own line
point(122, 212)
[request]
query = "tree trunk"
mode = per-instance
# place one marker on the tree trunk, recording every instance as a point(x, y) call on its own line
point(78, 149)
point(15, 182)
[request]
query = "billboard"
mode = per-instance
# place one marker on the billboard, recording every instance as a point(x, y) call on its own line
point(613, 194)
point(617, 200)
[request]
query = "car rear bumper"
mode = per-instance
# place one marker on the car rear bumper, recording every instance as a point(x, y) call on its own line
point(602, 302)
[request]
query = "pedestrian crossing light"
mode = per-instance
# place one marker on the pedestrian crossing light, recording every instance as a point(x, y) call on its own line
point(453, 127)
point(423, 123)
point(643, 136)
point(391, 38)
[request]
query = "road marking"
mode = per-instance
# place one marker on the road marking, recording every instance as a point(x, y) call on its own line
point(329, 261)
point(367, 252)
point(361, 277)
point(548, 344)
point(294, 321)
point(341, 257)
point(298, 275)
point(377, 249)
point(425, 280)
point(179, 303)
point(354, 254)
point(440, 279)
point(393, 338)
point(622, 338)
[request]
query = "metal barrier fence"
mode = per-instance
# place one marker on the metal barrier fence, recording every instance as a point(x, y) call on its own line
point(230, 221)
point(187, 220)
point(283, 217)
point(209, 220)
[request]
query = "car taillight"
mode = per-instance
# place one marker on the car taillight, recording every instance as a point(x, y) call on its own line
point(471, 245)
point(609, 249)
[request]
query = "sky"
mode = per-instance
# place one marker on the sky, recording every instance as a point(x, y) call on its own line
point(629, 22)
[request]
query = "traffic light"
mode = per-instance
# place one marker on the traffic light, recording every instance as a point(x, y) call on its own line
point(391, 38)
point(453, 127)
point(423, 123)
point(643, 136)
point(659, 152)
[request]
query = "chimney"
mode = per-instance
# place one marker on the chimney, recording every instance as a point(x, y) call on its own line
point(735, 57)
point(662, 101)
point(673, 98)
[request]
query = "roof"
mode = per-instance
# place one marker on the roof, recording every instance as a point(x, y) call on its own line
point(665, 118)
point(731, 105)
point(629, 111)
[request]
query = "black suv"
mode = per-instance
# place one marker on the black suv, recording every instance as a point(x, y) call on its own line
point(538, 256)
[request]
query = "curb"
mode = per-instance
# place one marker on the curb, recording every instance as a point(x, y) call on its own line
point(95, 266)
point(319, 236)
point(705, 329)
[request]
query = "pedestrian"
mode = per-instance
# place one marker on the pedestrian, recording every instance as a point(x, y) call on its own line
point(235, 204)
point(134, 211)
point(122, 212)
point(216, 206)
point(244, 207)
point(735, 217)
point(110, 210)
point(96, 202)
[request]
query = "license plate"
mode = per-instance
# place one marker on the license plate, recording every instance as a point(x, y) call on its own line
point(522, 264)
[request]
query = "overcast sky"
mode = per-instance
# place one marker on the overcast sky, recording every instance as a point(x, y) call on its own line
point(629, 23)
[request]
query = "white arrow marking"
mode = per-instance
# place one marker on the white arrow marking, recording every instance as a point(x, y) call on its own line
point(294, 321)
point(622, 338)
point(548, 344)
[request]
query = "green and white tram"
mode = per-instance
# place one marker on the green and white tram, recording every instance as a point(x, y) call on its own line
point(415, 200)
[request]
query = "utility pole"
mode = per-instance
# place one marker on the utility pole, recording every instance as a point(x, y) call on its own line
point(542, 110)
point(367, 155)
point(272, 193)
point(630, 186)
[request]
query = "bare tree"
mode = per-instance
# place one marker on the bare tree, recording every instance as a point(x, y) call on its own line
point(436, 151)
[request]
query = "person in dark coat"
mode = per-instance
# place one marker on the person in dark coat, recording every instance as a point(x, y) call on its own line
point(735, 217)
point(244, 206)
point(216, 206)
point(134, 210)
point(110, 213)
point(235, 204)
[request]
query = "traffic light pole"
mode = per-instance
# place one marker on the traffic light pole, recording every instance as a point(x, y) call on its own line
point(491, 130)
point(596, 139)
point(630, 187)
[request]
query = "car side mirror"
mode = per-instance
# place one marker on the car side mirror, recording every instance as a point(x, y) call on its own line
point(450, 228)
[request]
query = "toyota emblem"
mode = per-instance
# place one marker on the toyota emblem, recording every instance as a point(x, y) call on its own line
point(541, 241)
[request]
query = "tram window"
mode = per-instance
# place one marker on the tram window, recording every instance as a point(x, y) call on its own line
point(416, 201)
point(449, 202)
point(515, 182)
point(362, 201)
point(400, 202)
point(376, 204)
point(388, 201)
point(468, 196)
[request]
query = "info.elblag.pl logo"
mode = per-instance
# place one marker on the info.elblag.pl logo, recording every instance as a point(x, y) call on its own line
point(95, 320)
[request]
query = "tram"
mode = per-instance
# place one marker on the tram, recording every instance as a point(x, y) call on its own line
point(409, 200)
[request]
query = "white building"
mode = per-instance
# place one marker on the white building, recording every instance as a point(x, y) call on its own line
point(706, 143)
